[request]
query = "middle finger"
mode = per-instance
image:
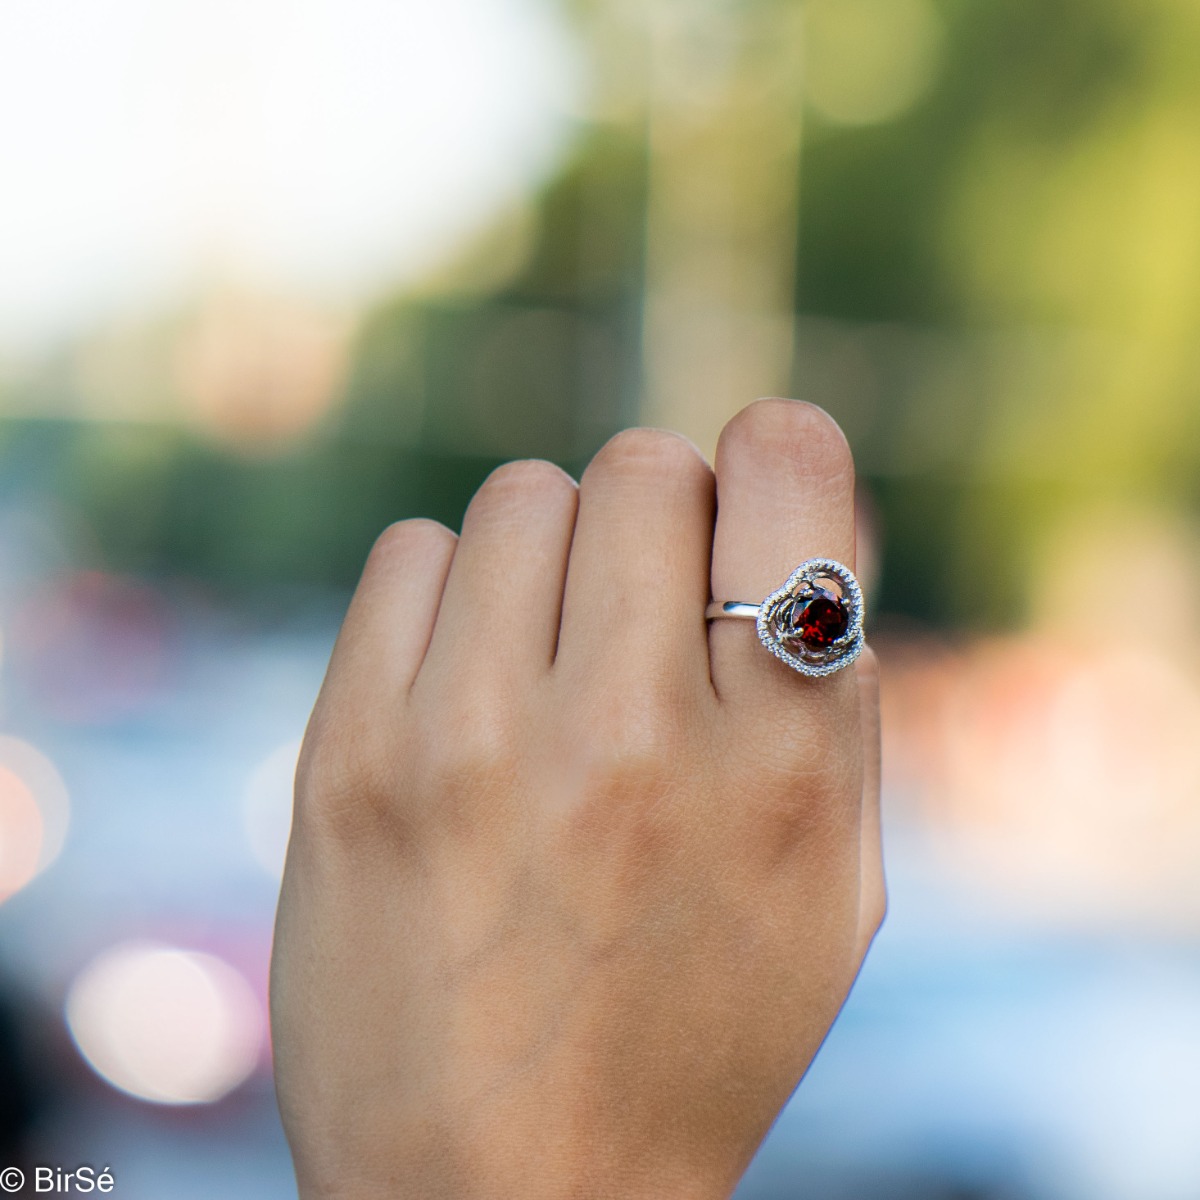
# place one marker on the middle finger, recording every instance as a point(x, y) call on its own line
point(637, 580)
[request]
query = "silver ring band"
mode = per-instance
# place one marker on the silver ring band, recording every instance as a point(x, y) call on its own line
point(807, 624)
point(732, 608)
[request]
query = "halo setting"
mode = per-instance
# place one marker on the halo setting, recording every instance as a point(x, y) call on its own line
point(814, 628)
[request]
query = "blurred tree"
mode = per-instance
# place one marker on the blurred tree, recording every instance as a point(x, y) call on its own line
point(984, 259)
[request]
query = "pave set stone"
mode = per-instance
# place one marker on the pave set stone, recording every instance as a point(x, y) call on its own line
point(813, 627)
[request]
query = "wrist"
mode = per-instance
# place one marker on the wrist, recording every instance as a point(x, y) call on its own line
point(532, 1168)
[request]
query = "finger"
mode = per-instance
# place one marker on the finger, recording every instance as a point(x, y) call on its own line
point(873, 888)
point(500, 610)
point(785, 493)
point(637, 580)
point(387, 628)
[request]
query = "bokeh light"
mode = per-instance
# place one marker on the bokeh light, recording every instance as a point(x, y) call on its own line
point(868, 61)
point(258, 371)
point(34, 814)
point(1056, 765)
point(267, 807)
point(20, 834)
point(1068, 780)
point(166, 1025)
point(90, 646)
point(148, 145)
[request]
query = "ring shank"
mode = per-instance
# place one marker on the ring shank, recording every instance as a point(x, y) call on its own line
point(732, 608)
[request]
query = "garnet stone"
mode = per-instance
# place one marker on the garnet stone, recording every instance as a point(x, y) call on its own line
point(819, 620)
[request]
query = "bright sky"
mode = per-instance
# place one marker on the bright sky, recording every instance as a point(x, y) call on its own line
point(330, 144)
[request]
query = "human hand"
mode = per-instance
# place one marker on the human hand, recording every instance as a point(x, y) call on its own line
point(577, 882)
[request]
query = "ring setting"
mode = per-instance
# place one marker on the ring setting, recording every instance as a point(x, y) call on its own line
point(813, 623)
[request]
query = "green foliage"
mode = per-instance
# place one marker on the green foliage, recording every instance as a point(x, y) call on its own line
point(998, 294)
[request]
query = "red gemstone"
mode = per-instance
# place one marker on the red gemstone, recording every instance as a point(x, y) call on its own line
point(820, 620)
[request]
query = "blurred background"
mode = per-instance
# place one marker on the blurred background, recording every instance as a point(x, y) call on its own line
point(275, 274)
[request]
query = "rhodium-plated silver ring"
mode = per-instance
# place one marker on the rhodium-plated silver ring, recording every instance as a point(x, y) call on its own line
point(814, 622)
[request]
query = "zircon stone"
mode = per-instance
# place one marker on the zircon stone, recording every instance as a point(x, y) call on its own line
point(820, 620)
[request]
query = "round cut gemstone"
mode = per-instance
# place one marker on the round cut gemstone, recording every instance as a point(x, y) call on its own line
point(819, 620)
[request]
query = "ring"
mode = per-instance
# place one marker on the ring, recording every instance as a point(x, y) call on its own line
point(807, 624)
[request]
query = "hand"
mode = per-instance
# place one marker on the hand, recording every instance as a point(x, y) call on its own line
point(577, 883)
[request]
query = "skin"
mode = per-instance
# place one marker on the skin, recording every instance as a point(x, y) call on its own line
point(578, 882)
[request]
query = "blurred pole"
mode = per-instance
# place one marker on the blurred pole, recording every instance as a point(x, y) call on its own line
point(724, 124)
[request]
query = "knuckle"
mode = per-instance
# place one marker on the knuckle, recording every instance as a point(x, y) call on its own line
point(479, 755)
point(650, 451)
point(343, 786)
point(628, 762)
point(799, 801)
point(643, 745)
point(800, 432)
point(324, 782)
point(522, 482)
point(624, 800)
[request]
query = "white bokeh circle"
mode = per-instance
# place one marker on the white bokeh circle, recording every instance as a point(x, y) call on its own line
point(332, 144)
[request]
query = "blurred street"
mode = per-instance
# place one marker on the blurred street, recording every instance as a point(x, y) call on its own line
point(273, 276)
